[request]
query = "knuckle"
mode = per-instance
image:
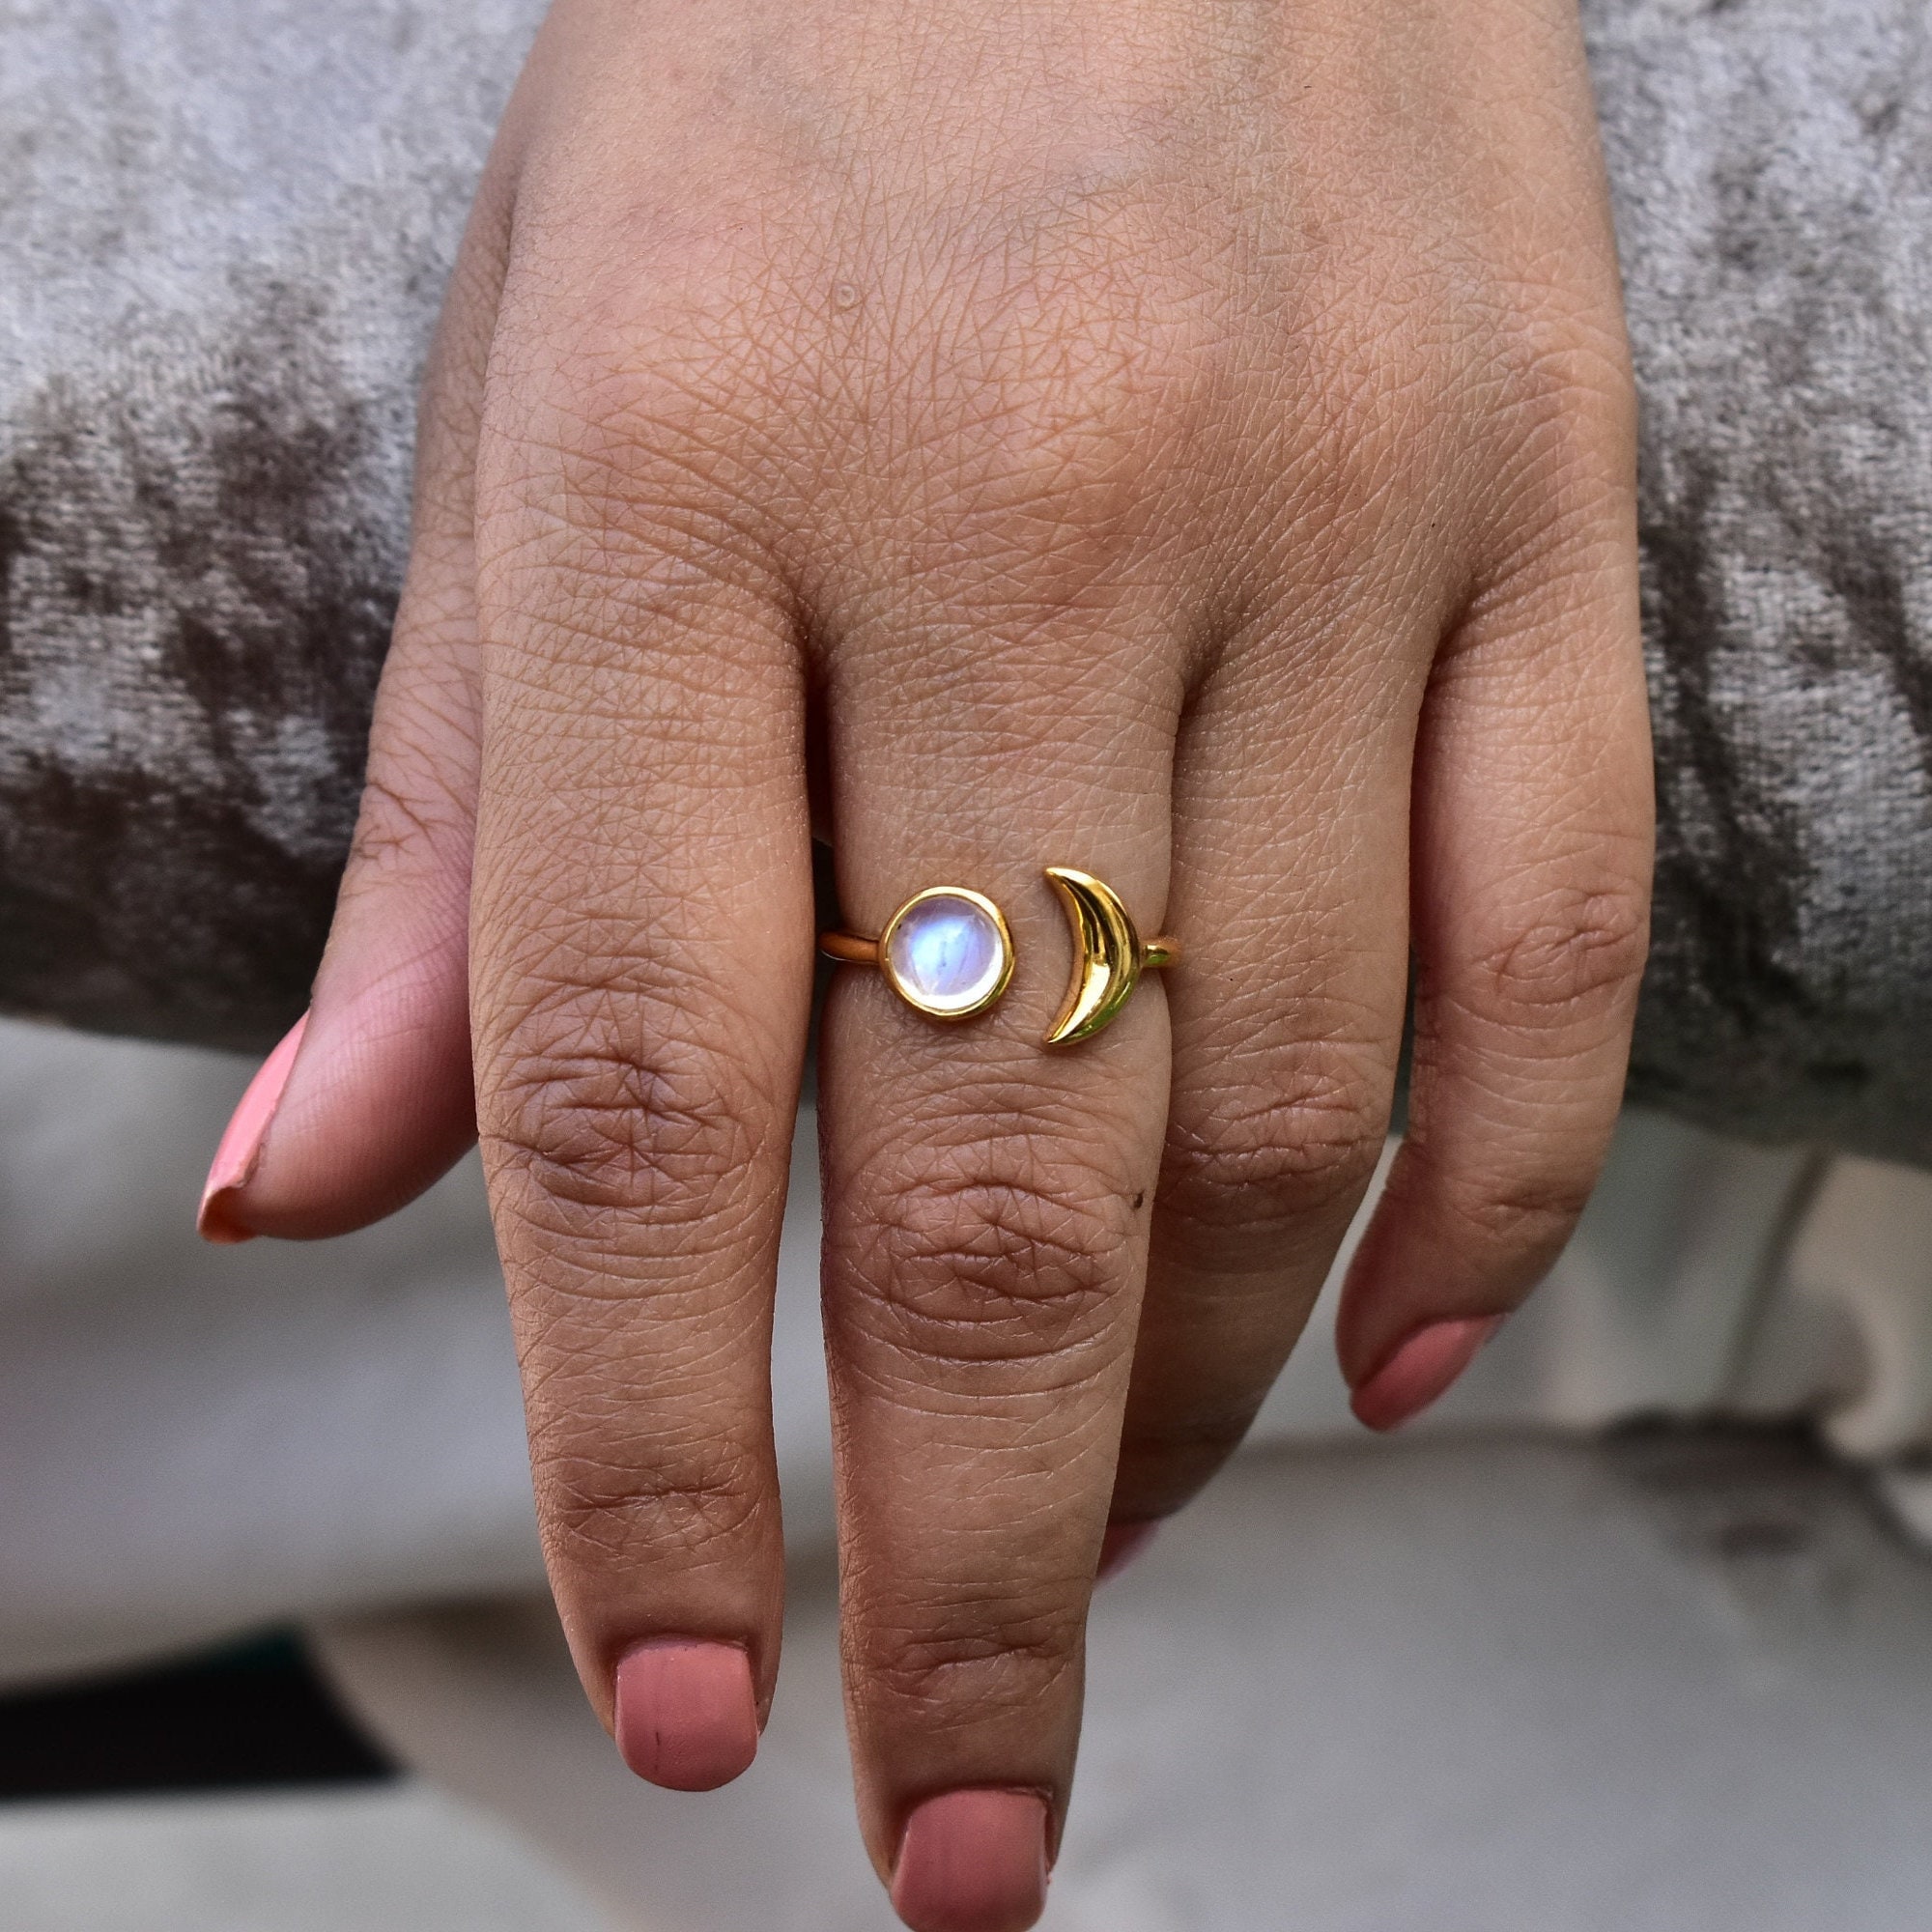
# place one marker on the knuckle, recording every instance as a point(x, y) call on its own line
point(980, 1654)
point(1076, 436)
point(398, 826)
point(1265, 1157)
point(1562, 359)
point(595, 1511)
point(1585, 944)
point(1094, 358)
point(998, 1253)
point(606, 364)
point(661, 441)
point(602, 1112)
point(1567, 426)
point(1529, 1212)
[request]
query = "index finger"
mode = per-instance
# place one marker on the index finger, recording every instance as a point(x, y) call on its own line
point(641, 983)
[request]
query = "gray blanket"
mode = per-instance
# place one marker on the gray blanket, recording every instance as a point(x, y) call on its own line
point(223, 232)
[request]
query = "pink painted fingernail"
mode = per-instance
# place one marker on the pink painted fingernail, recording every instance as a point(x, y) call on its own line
point(973, 1862)
point(1122, 1543)
point(1421, 1370)
point(242, 1141)
point(687, 1713)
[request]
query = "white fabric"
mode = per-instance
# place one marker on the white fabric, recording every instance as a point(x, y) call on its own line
point(1465, 1684)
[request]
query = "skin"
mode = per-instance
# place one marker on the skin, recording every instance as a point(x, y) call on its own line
point(1188, 439)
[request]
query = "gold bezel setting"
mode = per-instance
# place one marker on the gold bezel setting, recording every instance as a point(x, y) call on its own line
point(920, 1002)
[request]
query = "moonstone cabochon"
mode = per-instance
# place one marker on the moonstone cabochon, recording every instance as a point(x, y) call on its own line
point(946, 953)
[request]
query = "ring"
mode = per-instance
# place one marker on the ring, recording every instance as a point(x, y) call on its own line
point(948, 953)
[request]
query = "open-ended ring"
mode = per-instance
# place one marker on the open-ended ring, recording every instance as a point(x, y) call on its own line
point(948, 953)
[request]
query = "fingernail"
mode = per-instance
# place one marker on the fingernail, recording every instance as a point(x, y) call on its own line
point(242, 1141)
point(1421, 1370)
point(687, 1713)
point(973, 1862)
point(1122, 1543)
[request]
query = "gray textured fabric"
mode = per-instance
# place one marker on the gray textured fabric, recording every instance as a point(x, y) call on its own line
point(224, 229)
point(224, 233)
point(1772, 167)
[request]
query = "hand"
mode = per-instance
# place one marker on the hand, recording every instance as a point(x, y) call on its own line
point(1191, 442)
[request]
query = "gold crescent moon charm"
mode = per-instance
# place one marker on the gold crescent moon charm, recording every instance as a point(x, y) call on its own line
point(1107, 954)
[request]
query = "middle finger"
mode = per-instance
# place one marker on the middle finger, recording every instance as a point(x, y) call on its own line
point(986, 1195)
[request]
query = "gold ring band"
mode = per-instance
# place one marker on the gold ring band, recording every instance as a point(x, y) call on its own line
point(948, 953)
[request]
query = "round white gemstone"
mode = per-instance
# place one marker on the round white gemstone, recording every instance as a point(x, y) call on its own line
point(946, 954)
